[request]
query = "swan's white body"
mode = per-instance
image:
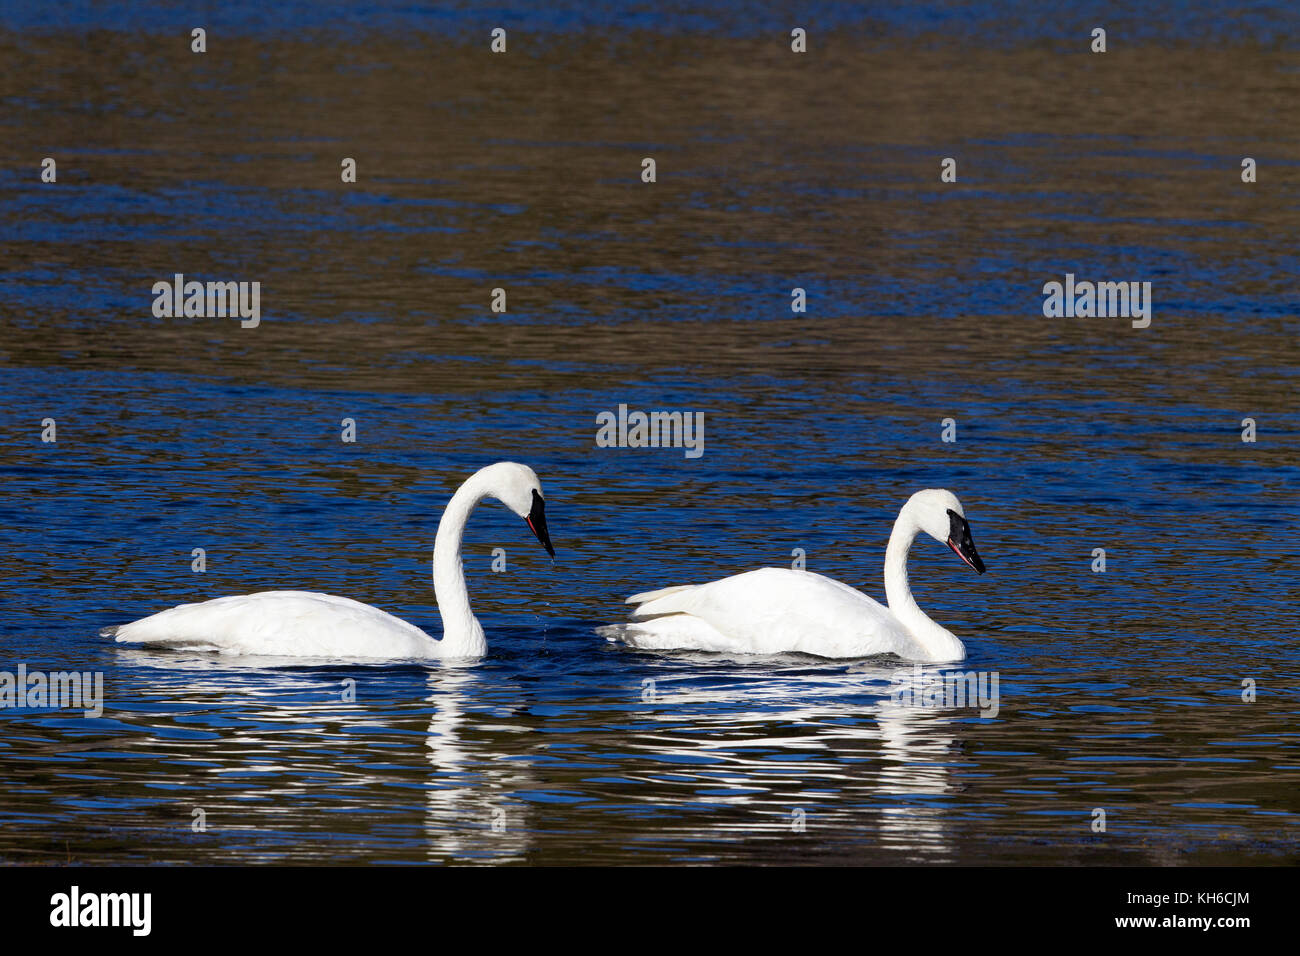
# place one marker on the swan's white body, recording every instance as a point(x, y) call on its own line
point(282, 624)
point(308, 624)
point(775, 610)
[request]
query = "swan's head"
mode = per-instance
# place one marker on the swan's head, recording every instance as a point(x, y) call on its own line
point(939, 514)
point(518, 488)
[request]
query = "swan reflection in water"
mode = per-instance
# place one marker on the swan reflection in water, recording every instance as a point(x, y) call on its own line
point(916, 748)
point(472, 813)
point(885, 766)
point(279, 749)
point(713, 763)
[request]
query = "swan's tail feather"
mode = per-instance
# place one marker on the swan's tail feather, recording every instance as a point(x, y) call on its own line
point(669, 633)
point(633, 635)
point(647, 596)
point(172, 642)
point(612, 632)
point(132, 634)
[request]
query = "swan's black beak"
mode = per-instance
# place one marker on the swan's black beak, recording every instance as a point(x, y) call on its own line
point(537, 522)
point(959, 540)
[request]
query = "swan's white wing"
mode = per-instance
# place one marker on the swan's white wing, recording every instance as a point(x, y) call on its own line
point(768, 611)
point(281, 623)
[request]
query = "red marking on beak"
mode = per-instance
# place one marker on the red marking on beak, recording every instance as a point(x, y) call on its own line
point(957, 551)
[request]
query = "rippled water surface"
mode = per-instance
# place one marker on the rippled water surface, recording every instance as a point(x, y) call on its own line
point(1120, 691)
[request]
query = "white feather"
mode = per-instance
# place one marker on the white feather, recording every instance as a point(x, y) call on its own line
point(777, 610)
point(309, 624)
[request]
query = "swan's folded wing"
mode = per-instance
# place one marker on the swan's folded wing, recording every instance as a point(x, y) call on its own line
point(292, 623)
point(776, 609)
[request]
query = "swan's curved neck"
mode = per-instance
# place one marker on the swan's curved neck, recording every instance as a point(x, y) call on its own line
point(938, 642)
point(462, 635)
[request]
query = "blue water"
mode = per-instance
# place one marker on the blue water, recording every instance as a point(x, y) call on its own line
point(1120, 691)
point(1012, 21)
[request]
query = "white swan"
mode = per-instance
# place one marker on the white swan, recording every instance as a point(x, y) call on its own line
point(774, 610)
point(307, 624)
